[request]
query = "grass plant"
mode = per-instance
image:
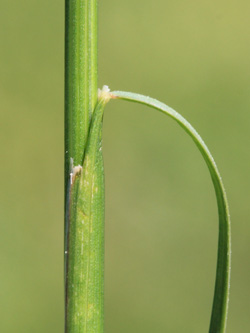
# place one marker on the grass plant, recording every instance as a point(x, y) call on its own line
point(84, 180)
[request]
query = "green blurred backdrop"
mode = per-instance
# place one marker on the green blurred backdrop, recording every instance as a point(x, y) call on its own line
point(161, 216)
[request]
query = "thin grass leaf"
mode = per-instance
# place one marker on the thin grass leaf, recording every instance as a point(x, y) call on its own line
point(221, 292)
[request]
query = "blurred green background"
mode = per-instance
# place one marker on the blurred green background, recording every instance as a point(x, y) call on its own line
point(161, 216)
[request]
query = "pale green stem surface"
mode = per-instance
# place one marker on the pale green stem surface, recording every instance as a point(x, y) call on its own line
point(84, 209)
point(80, 76)
point(221, 292)
point(85, 270)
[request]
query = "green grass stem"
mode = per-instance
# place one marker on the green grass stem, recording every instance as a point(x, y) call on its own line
point(84, 208)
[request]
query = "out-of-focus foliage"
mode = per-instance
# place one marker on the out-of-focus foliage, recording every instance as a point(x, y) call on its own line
point(161, 232)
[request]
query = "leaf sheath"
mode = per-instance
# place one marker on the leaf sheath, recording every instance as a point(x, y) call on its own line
point(85, 264)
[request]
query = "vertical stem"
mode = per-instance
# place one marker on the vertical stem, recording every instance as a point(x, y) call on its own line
point(80, 75)
point(84, 218)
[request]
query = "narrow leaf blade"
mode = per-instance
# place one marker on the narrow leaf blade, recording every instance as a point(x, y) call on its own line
point(221, 292)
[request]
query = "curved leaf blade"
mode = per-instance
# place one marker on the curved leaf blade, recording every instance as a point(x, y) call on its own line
point(222, 283)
